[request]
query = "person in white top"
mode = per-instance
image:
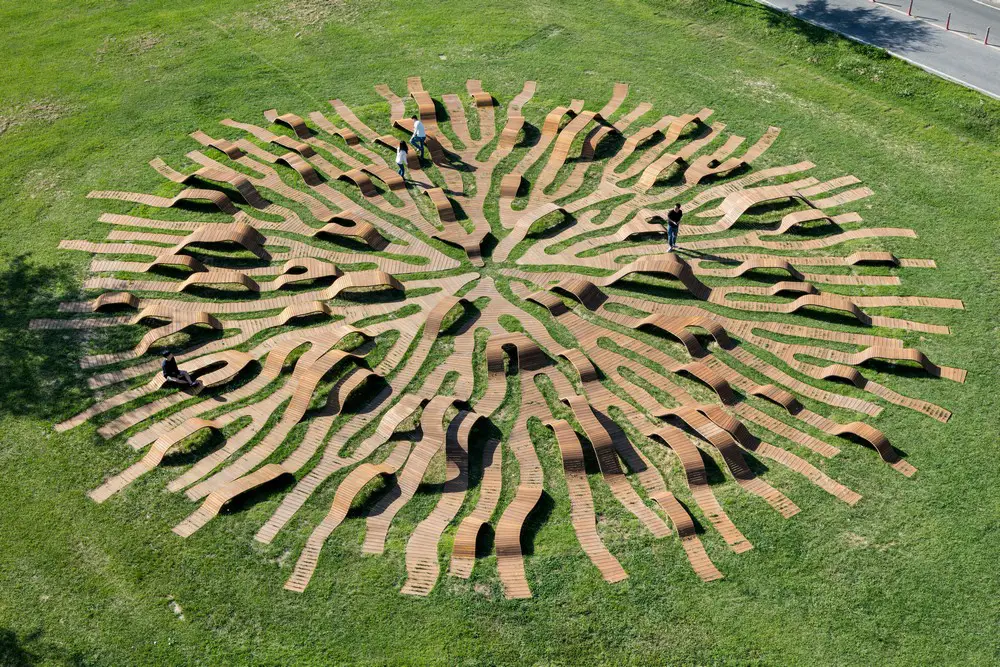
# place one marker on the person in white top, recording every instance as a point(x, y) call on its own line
point(419, 134)
point(401, 157)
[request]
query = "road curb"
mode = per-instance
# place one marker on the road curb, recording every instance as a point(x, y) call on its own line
point(896, 54)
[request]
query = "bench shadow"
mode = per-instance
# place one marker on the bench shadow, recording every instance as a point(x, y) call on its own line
point(699, 528)
point(205, 446)
point(532, 135)
point(538, 516)
point(905, 369)
point(258, 494)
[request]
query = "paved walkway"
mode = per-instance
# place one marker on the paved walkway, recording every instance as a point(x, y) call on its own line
point(958, 54)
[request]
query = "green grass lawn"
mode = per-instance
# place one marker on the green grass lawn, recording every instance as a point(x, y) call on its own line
point(91, 91)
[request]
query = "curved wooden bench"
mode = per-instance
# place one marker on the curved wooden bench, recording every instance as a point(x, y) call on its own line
point(361, 280)
point(303, 149)
point(342, 501)
point(697, 480)
point(508, 136)
point(581, 289)
point(422, 548)
point(755, 264)
point(219, 199)
point(607, 459)
point(869, 257)
point(110, 299)
point(359, 178)
point(510, 185)
point(480, 96)
point(301, 167)
point(668, 265)
point(733, 458)
point(235, 179)
point(706, 166)
point(346, 225)
point(392, 180)
point(582, 503)
point(684, 525)
point(166, 312)
point(304, 309)
point(186, 261)
point(550, 127)
point(549, 301)
point(289, 120)
point(344, 133)
point(896, 353)
point(384, 511)
point(713, 327)
point(711, 378)
point(220, 277)
point(463, 554)
point(223, 145)
point(152, 458)
point(425, 105)
point(521, 227)
point(237, 232)
point(659, 322)
point(441, 203)
point(311, 269)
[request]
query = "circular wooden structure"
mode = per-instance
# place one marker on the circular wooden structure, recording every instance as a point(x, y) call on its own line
point(531, 282)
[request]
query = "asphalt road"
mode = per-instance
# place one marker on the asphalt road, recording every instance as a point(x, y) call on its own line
point(958, 55)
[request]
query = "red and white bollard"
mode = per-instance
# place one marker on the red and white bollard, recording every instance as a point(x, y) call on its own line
point(909, 12)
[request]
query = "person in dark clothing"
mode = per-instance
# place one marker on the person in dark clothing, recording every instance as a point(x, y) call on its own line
point(174, 374)
point(674, 216)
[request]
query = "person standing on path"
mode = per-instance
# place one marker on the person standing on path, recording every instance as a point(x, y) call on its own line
point(419, 135)
point(401, 157)
point(674, 216)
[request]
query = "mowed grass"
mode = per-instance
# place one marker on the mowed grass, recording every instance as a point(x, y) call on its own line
point(91, 91)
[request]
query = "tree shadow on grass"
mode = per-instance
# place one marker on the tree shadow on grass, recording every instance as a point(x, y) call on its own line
point(31, 649)
point(877, 27)
point(39, 369)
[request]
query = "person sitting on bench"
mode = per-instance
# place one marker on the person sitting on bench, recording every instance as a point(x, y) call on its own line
point(174, 374)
